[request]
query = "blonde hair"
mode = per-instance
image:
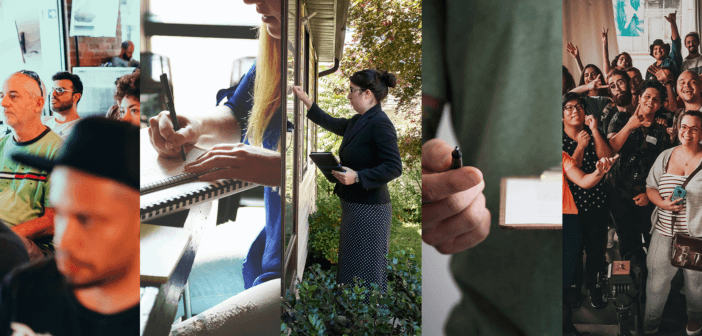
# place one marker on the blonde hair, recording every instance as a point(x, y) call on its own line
point(266, 87)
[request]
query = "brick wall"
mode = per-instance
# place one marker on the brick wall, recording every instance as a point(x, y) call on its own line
point(93, 51)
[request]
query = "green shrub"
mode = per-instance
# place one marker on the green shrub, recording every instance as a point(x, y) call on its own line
point(322, 307)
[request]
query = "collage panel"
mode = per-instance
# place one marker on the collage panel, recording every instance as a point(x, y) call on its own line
point(70, 169)
point(489, 73)
point(227, 269)
point(631, 154)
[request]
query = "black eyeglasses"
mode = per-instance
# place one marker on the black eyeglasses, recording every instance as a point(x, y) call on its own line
point(34, 76)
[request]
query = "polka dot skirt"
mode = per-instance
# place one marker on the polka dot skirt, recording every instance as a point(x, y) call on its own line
point(364, 242)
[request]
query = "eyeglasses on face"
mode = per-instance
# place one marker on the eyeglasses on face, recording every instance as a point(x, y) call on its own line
point(34, 76)
point(570, 108)
point(60, 90)
point(352, 90)
point(693, 129)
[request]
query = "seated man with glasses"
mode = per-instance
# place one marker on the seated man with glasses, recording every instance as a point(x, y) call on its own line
point(24, 204)
point(65, 95)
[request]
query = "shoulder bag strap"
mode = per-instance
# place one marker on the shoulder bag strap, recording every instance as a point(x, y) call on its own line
point(675, 213)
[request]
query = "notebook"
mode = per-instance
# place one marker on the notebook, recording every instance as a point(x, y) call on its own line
point(166, 188)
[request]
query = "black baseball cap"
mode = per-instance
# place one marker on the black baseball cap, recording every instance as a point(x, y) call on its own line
point(98, 146)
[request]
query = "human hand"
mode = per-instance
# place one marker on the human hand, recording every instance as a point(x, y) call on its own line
point(456, 219)
point(573, 50)
point(671, 17)
point(604, 35)
point(300, 93)
point(604, 164)
point(672, 205)
point(660, 74)
point(168, 142)
point(635, 121)
point(583, 138)
point(347, 177)
point(641, 199)
point(596, 84)
point(672, 132)
point(591, 122)
point(240, 162)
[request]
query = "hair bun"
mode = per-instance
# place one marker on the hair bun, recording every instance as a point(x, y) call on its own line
point(389, 79)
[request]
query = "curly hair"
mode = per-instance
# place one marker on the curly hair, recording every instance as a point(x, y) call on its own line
point(128, 85)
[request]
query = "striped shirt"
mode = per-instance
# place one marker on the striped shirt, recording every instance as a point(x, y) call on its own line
point(667, 185)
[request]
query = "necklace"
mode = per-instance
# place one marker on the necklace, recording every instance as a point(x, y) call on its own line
point(690, 159)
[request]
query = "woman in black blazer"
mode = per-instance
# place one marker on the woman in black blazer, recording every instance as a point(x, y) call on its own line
point(370, 158)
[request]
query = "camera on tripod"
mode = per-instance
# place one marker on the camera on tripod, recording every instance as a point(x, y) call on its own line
point(623, 285)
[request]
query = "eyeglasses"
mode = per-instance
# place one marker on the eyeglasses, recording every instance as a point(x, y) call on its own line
point(34, 76)
point(352, 90)
point(693, 130)
point(59, 90)
point(570, 108)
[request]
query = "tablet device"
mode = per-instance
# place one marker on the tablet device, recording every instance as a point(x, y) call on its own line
point(326, 162)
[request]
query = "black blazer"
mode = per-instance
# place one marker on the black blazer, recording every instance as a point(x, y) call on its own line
point(370, 148)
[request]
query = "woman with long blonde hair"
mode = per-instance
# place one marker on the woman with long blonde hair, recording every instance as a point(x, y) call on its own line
point(254, 157)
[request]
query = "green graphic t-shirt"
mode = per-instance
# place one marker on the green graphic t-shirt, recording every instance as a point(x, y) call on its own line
point(24, 190)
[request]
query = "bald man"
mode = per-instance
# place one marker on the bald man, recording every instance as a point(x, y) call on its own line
point(125, 56)
point(689, 88)
point(24, 190)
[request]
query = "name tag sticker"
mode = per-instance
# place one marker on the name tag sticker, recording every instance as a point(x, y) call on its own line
point(651, 139)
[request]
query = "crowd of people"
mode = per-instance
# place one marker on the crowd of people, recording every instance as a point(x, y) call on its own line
point(652, 128)
point(48, 235)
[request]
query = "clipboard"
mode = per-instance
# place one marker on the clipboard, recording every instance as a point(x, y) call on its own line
point(326, 162)
point(531, 203)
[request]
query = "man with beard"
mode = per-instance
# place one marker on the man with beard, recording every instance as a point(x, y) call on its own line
point(24, 190)
point(65, 95)
point(125, 56)
point(662, 52)
point(689, 87)
point(605, 109)
point(91, 286)
point(638, 139)
point(636, 80)
point(693, 61)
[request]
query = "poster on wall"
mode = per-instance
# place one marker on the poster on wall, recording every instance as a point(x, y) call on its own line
point(629, 17)
point(95, 18)
point(11, 53)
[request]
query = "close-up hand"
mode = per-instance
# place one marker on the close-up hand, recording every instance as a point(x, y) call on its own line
point(168, 142)
point(454, 216)
point(591, 122)
point(604, 164)
point(641, 199)
point(596, 84)
point(347, 177)
point(240, 162)
point(672, 132)
point(300, 93)
point(671, 17)
point(583, 138)
point(672, 205)
point(635, 121)
point(604, 35)
point(573, 50)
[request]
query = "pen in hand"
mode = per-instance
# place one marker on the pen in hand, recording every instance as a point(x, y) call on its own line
point(171, 109)
point(456, 162)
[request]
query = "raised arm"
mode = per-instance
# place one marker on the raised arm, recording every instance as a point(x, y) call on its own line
point(605, 51)
point(587, 181)
point(617, 141)
point(595, 84)
point(673, 25)
point(573, 51)
point(601, 146)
